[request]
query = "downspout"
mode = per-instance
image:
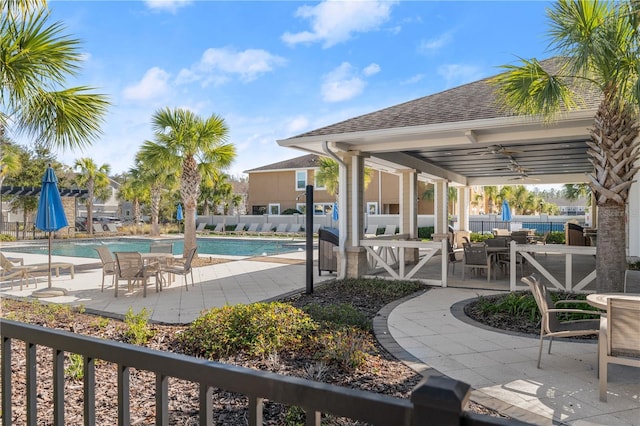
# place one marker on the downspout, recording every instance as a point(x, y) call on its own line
point(342, 201)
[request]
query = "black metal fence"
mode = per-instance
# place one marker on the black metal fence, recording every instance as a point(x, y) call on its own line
point(21, 230)
point(485, 226)
point(437, 400)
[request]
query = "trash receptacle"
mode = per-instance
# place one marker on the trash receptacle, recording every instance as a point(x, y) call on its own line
point(327, 257)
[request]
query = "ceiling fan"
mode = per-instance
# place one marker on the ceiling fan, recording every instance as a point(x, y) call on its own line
point(496, 150)
point(524, 176)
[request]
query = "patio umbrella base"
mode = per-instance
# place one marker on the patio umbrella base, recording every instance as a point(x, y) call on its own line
point(49, 292)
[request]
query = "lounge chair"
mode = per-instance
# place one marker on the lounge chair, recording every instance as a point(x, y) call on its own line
point(240, 227)
point(98, 229)
point(618, 340)
point(281, 229)
point(316, 228)
point(202, 227)
point(371, 231)
point(219, 229)
point(9, 270)
point(550, 325)
point(389, 230)
point(252, 229)
point(295, 230)
point(266, 229)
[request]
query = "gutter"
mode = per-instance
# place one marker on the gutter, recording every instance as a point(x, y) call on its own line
point(342, 201)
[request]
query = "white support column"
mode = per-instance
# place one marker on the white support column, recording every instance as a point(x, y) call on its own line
point(441, 202)
point(633, 219)
point(464, 195)
point(409, 203)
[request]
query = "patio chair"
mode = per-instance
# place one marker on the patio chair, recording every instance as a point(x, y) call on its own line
point(108, 264)
point(453, 258)
point(181, 267)
point(98, 229)
point(550, 325)
point(295, 230)
point(631, 281)
point(131, 267)
point(112, 228)
point(619, 339)
point(476, 257)
point(161, 247)
point(202, 227)
point(12, 271)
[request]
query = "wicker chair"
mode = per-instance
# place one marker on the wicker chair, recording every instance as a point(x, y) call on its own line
point(550, 326)
point(619, 339)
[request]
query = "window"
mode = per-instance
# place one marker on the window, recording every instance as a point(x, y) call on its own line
point(274, 208)
point(322, 209)
point(259, 210)
point(372, 208)
point(301, 180)
point(301, 207)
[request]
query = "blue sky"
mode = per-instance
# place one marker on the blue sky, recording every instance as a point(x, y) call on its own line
point(276, 69)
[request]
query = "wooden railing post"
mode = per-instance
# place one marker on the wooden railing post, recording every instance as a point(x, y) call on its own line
point(439, 400)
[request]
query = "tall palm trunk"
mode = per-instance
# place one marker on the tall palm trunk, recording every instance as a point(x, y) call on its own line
point(189, 192)
point(89, 204)
point(156, 195)
point(613, 154)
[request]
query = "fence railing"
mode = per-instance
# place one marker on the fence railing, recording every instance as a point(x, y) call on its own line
point(485, 226)
point(437, 400)
point(21, 230)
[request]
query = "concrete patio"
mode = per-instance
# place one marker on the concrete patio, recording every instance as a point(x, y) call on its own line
point(428, 332)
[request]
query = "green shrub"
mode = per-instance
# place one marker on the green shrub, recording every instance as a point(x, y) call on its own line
point(7, 238)
point(338, 315)
point(425, 232)
point(348, 348)
point(257, 329)
point(523, 304)
point(137, 330)
point(75, 366)
point(556, 237)
point(380, 288)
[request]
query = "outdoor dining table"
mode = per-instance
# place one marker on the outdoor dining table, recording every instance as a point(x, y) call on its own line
point(160, 258)
point(599, 300)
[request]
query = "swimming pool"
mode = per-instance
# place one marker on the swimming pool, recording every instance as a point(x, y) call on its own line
point(219, 246)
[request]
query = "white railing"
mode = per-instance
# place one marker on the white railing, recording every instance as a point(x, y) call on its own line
point(388, 253)
point(527, 251)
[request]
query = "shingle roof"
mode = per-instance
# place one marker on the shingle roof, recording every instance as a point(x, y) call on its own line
point(472, 101)
point(304, 162)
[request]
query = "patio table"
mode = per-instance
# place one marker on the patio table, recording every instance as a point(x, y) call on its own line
point(599, 300)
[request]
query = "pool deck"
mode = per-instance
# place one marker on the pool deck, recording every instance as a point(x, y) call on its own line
point(426, 331)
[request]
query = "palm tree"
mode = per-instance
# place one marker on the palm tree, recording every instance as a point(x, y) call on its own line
point(135, 190)
point(490, 196)
point(328, 175)
point(598, 43)
point(95, 179)
point(37, 59)
point(196, 145)
point(429, 195)
point(158, 174)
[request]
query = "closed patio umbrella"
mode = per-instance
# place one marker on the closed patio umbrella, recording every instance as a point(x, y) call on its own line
point(506, 211)
point(335, 211)
point(50, 217)
point(179, 215)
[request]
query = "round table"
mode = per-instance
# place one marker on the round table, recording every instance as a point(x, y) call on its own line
point(599, 300)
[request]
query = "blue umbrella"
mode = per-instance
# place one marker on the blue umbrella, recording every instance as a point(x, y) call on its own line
point(51, 215)
point(506, 211)
point(335, 211)
point(179, 215)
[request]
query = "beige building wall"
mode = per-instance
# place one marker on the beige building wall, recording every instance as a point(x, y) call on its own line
point(279, 187)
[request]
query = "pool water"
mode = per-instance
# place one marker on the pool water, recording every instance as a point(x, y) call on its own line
point(213, 246)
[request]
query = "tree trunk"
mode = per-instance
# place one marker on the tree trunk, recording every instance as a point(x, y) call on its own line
point(155, 210)
point(189, 192)
point(611, 260)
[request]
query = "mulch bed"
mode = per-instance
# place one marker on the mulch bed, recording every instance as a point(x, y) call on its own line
point(382, 373)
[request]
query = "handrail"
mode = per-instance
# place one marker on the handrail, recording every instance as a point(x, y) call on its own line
point(313, 397)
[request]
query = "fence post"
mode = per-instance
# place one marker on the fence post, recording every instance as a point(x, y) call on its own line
point(439, 400)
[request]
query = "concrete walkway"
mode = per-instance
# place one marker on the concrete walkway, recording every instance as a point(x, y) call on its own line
point(427, 332)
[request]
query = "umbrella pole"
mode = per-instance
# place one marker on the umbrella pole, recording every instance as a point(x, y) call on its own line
point(49, 259)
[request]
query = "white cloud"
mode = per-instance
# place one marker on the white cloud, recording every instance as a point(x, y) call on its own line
point(457, 74)
point(153, 85)
point(297, 125)
point(167, 5)
point(371, 70)
point(335, 21)
point(435, 44)
point(217, 65)
point(414, 79)
point(342, 84)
